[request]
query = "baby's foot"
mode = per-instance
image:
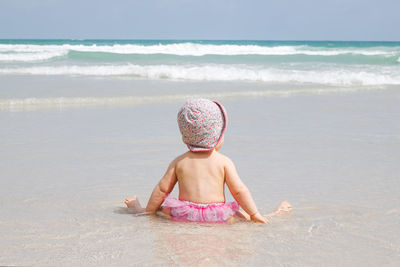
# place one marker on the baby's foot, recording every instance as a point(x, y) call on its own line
point(283, 207)
point(133, 203)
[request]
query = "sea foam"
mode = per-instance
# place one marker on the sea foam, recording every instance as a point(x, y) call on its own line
point(215, 72)
point(17, 104)
point(32, 56)
point(195, 49)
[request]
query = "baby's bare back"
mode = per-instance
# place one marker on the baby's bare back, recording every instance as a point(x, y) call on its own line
point(201, 177)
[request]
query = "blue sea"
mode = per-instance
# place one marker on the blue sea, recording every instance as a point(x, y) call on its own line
point(234, 68)
point(313, 62)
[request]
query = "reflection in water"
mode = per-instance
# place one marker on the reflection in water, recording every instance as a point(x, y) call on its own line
point(201, 243)
point(333, 234)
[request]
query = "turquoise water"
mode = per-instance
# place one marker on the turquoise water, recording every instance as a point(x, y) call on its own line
point(44, 72)
point(315, 62)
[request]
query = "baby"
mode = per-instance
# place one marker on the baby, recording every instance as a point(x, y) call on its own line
point(201, 173)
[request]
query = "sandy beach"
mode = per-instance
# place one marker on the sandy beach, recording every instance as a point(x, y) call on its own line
point(65, 171)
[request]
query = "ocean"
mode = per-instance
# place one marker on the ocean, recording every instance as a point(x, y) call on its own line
point(86, 123)
point(309, 66)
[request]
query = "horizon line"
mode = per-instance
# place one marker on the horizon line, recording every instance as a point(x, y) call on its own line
point(192, 39)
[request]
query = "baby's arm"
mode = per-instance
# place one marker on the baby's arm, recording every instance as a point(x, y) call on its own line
point(241, 193)
point(164, 187)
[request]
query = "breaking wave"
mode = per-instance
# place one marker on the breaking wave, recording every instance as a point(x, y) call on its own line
point(31, 52)
point(218, 72)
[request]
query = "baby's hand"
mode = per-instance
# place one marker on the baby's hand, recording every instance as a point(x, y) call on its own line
point(257, 217)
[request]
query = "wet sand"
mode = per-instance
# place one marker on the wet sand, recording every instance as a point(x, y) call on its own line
point(65, 172)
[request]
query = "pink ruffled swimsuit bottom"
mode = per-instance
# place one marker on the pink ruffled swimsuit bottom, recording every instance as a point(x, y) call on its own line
point(181, 210)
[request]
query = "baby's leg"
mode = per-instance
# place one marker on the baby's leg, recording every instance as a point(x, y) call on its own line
point(283, 207)
point(240, 215)
point(164, 212)
point(133, 203)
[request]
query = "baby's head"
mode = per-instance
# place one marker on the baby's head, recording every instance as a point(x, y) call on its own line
point(202, 123)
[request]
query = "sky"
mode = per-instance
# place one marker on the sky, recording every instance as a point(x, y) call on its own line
point(368, 20)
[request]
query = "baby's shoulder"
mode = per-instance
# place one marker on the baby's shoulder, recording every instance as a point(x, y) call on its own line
point(180, 158)
point(225, 160)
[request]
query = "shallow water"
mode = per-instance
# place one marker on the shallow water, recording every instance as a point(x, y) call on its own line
point(66, 170)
